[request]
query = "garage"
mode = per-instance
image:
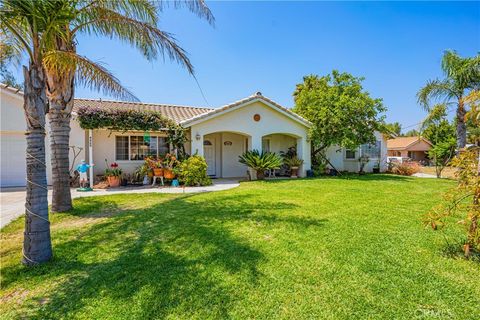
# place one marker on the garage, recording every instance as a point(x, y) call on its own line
point(12, 165)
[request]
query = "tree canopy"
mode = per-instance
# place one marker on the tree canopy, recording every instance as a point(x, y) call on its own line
point(341, 111)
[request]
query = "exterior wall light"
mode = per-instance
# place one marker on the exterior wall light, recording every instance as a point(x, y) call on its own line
point(198, 136)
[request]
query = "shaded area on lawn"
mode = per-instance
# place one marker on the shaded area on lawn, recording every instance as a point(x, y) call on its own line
point(305, 248)
point(144, 267)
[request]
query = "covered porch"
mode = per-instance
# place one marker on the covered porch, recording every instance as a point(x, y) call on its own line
point(222, 150)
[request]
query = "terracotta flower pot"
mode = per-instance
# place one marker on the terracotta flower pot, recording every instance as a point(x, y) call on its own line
point(294, 172)
point(158, 172)
point(113, 181)
point(168, 174)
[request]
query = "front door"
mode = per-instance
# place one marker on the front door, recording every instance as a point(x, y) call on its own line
point(209, 154)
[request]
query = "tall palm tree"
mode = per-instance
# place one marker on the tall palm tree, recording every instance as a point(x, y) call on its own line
point(461, 76)
point(131, 21)
point(29, 26)
point(45, 30)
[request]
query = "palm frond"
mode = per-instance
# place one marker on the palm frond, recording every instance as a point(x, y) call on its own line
point(88, 73)
point(198, 7)
point(436, 90)
point(146, 37)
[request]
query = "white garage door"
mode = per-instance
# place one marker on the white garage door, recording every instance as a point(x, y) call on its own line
point(12, 162)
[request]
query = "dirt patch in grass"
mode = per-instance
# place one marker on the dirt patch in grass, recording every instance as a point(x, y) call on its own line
point(448, 172)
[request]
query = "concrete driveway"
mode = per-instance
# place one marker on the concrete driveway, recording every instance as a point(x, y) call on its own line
point(12, 200)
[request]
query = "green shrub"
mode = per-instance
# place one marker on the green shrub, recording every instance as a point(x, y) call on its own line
point(260, 161)
point(193, 172)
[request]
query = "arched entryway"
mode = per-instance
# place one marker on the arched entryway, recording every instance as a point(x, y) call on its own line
point(221, 151)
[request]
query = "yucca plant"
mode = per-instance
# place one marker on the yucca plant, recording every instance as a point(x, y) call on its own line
point(260, 161)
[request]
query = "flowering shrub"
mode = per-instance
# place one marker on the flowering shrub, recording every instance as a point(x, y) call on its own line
point(170, 161)
point(193, 172)
point(404, 168)
point(154, 162)
point(125, 120)
point(113, 170)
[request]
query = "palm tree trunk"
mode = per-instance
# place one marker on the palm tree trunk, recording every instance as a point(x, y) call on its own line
point(60, 93)
point(37, 247)
point(461, 125)
point(59, 145)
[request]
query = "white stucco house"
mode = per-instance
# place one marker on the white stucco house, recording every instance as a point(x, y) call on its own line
point(218, 134)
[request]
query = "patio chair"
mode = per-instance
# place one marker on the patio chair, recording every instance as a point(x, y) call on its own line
point(155, 180)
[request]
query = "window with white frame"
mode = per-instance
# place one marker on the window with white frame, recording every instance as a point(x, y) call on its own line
point(350, 154)
point(137, 147)
point(372, 150)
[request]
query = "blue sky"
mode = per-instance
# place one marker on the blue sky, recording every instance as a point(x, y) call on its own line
point(270, 46)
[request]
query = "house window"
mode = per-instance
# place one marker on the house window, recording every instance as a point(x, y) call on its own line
point(137, 147)
point(350, 154)
point(121, 145)
point(372, 150)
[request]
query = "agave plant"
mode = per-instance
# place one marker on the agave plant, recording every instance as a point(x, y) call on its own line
point(293, 162)
point(260, 161)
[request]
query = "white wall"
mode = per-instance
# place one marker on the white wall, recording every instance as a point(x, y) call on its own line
point(241, 121)
point(230, 153)
point(336, 155)
point(104, 148)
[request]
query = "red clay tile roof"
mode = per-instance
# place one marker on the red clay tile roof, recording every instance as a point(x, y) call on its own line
point(174, 112)
point(404, 142)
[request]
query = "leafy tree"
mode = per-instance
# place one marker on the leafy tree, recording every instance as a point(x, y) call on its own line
point(462, 202)
point(439, 132)
point(441, 154)
point(341, 111)
point(461, 76)
point(7, 56)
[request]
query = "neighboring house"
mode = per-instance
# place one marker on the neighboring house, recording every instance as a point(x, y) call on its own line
point(221, 135)
point(344, 159)
point(414, 148)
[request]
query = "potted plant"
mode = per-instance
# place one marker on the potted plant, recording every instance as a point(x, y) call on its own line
point(293, 163)
point(169, 164)
point(113, 174)
point(155, 165)
point(259, 162)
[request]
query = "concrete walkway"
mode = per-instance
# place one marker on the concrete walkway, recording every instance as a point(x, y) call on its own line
point(12, 200)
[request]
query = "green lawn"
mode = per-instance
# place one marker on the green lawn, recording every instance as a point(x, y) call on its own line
point(333, 248)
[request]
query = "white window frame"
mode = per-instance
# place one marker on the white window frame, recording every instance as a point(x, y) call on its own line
point(129, 146)
point(350, 159)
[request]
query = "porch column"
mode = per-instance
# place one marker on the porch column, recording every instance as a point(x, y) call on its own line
point(256, 142)
point(90, 155)
point(303, 152)
point(197, 143)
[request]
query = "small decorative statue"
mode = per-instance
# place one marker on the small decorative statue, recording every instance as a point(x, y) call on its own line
point(82, 169)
